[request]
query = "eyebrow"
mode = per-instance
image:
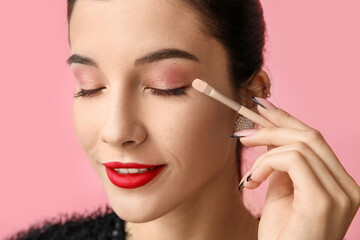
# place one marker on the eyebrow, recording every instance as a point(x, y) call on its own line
point(158, 55)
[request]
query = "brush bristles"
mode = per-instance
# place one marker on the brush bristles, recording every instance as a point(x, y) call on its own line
point(199, 85)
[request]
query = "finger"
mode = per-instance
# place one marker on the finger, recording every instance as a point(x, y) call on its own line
point(313, 140)
point(278, 116)
point(345, 203)
point(323, 174)
point(299, 185)
point(283, 136)
point(304, 181)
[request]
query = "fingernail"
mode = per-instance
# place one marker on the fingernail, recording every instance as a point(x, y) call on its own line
point(248, 178)
point(249, 174)
point(241, 186)
point(244, 133)
point(235, 136)
point(264, 103)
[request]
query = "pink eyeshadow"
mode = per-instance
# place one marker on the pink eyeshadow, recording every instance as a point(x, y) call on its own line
point(168, 77)
point(84, 77)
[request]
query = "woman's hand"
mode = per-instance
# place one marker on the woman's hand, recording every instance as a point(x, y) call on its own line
point(310, 194)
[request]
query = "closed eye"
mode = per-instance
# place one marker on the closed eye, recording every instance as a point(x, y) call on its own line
point(169, 92)
point(87, 92)
point(154, 91)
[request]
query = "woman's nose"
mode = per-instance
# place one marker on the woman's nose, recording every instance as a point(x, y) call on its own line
point(123, 126)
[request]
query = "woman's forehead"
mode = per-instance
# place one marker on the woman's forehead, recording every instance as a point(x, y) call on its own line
point(123, 28)
point(129, 16)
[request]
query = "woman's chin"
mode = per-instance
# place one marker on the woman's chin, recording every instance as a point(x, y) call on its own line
point(138, 208)
point(140, 214)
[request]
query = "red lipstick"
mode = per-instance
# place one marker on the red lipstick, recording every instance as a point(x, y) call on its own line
point(131, 175)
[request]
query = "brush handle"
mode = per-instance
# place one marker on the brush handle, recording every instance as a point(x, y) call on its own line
point(256, 118)
point(223, 99)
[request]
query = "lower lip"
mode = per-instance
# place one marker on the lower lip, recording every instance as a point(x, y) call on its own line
point(132, 180)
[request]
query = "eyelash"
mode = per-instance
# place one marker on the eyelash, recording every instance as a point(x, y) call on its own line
point(154, 91)
point(168, 92)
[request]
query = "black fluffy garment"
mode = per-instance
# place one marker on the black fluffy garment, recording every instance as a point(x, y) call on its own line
point(98, 225)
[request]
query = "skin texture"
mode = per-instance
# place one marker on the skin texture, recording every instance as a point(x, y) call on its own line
point(310, 194)
point(195, 197)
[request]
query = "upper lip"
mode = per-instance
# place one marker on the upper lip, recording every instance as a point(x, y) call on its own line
point(128, 165)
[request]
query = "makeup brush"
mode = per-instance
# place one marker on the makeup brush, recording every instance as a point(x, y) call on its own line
point(205, 88)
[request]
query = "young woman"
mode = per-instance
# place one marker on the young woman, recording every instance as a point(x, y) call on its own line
point(163, 151)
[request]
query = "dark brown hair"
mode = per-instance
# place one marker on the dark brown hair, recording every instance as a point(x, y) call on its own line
point(239, 25)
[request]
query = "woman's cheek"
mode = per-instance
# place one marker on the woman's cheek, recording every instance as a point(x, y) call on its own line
point(194, 133)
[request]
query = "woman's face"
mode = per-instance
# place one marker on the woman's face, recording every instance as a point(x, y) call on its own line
point(127, 122)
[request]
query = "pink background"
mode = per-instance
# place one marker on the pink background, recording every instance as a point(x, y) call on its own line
point(312, 55)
